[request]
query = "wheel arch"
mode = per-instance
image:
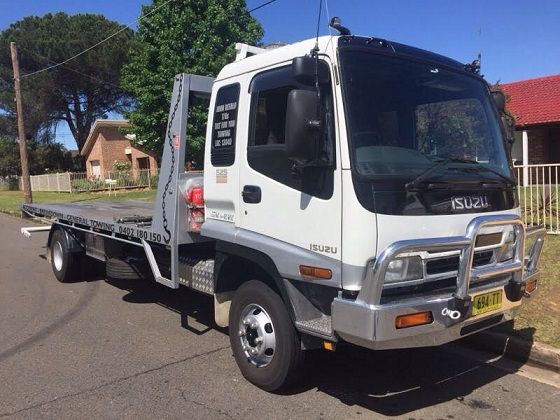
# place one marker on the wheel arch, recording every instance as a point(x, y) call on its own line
point(246, 264)
point(72, 242)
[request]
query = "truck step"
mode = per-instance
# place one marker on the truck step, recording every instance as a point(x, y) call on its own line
point(197, 273)
point(321, 326)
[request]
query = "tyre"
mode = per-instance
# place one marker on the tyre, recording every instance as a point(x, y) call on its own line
point(126, 269)
point(265, 344)
point(65, 264)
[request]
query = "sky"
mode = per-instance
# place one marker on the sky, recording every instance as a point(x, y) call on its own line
point(518, 39)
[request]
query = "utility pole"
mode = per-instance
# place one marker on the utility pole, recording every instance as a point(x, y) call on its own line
point(27, 198)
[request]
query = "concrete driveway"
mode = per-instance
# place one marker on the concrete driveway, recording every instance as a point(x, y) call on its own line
point(98, 349)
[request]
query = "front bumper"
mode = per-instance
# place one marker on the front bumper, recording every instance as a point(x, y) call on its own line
point(367, 323)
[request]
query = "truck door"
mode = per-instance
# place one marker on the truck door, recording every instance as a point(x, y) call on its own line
point(299, 211)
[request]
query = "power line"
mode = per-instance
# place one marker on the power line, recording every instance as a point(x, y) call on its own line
point(115, 34)
point(95, 79)
point(261, 6)
point(99, 43)
point(66, 66)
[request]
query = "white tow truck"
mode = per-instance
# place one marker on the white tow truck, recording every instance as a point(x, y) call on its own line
point(354, 189)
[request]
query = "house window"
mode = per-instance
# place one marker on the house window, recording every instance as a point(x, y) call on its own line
point(143, 163)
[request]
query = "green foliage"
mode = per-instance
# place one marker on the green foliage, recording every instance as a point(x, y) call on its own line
point(9, 157)
point(77, 92)
point(192, 36)
point(85, 185)
point(121, 166)
point(43, 158)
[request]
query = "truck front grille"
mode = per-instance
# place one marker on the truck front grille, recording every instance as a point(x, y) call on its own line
point(451, 264)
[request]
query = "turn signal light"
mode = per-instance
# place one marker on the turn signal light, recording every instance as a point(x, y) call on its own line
point(329, 345)
point(531, 286)
point(413, 320)
point(315, 272)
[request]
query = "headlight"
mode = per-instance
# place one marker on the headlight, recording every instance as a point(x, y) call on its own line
point(404, 269)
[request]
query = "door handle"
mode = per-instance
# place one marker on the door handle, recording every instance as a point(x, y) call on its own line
point(251, 194)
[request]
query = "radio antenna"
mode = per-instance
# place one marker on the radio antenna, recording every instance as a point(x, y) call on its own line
point(316, 48)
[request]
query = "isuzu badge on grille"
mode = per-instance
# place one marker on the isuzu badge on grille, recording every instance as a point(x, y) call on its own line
point(469, 202)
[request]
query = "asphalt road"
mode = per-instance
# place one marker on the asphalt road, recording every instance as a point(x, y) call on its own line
point(98, 349)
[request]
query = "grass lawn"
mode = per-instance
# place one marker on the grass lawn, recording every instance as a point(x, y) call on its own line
point(539, 319)
point(10, 201)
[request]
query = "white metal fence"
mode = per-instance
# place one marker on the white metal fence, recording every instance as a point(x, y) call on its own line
point(538, 195)
point(80, 182)
point(59, 182)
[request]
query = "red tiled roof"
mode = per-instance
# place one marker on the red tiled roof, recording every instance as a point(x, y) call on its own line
point(534, 101)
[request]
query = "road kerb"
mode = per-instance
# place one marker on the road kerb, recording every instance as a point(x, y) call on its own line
point(517, 349)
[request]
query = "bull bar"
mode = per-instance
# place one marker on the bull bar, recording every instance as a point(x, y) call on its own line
point(367, 322)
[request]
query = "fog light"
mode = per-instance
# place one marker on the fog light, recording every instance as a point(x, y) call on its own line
point(413, 320)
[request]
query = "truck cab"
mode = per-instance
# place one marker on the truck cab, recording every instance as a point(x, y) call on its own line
point(405, 205)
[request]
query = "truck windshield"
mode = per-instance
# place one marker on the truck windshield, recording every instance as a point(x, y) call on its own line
point(405, 116)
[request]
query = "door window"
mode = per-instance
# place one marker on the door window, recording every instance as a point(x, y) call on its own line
point(266, 152)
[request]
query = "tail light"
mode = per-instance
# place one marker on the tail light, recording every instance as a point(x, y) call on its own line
point(194, 197)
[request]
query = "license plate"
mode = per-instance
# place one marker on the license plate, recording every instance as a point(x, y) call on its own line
point(487, 302)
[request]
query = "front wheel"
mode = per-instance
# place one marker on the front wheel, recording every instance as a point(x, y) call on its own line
point(265, 344)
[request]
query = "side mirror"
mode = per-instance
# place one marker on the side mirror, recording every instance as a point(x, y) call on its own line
point(499, 100)
point(303, 69)
point(303, 126)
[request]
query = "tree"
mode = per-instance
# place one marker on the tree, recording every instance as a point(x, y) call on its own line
point(191, 36)
point(43, 158)
point(77, 92)
point(9, 157)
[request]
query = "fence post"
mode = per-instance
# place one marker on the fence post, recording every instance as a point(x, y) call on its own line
point(525, 146)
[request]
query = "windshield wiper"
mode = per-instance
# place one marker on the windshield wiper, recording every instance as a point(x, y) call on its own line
point(444, 162)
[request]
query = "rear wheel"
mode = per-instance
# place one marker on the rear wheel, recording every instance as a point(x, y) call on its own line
point(129, 269)
point(65, 264)
point(265, 344)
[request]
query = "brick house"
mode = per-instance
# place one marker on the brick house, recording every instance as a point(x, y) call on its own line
point(106, 144)
point(535, 103)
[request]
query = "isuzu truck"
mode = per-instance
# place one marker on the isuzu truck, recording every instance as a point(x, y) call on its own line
point(354, 190)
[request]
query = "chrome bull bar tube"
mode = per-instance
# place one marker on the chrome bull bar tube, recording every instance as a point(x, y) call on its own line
point(535, 234)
